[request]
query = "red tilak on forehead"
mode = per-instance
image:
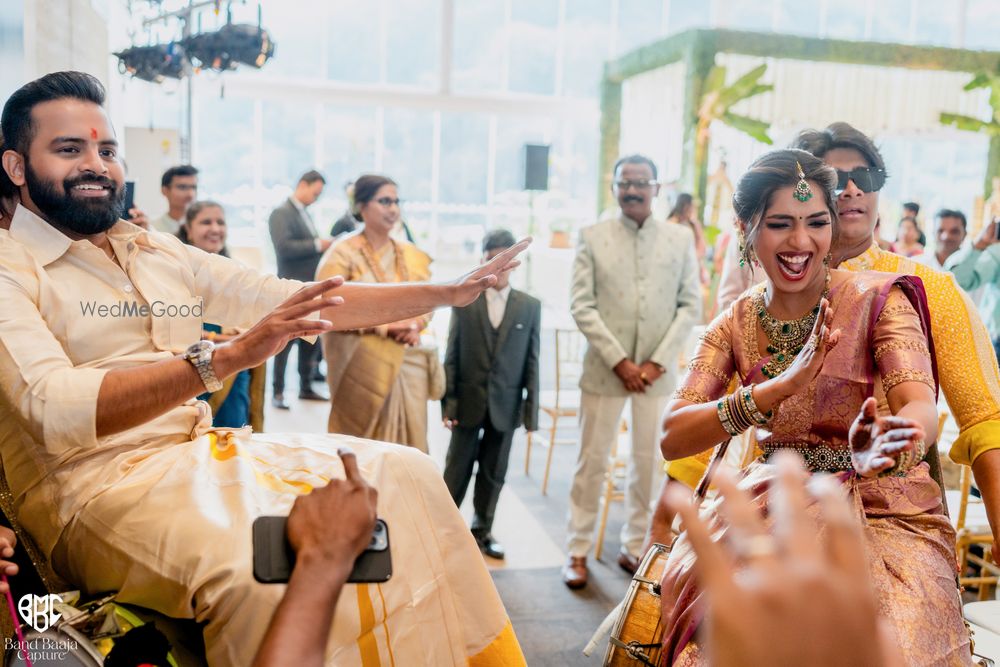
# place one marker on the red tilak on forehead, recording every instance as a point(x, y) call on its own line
point(93, 133)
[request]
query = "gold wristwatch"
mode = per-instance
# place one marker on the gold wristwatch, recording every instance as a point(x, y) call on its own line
point(200, 355)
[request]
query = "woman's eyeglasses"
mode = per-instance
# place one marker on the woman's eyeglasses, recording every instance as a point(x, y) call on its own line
point(866, 179)
point(388, 201)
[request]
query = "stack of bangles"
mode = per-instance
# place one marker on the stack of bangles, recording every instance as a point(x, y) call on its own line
point(907, 459)
point(738, 412)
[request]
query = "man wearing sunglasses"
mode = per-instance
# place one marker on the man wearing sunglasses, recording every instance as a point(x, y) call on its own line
point(967, 363)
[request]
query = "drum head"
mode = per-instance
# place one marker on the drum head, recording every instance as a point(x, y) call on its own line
point(56, 647)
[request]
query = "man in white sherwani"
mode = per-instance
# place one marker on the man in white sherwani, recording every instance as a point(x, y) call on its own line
point(635, 296)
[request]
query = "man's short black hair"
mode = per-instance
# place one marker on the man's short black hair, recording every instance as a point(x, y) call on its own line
point(311, 177)
point(16, 125)
point(635, 159)
point(839, 135)
point(952, 213)
point(498, 238)
point(912, 206)
point(180, 170)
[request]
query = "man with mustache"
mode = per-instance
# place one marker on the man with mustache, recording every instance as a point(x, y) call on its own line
point(636, 294)
point(114, 467)
point(967, 364)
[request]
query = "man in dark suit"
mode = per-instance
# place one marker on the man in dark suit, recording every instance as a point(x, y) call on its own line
point(492, 371)
point(298, 248)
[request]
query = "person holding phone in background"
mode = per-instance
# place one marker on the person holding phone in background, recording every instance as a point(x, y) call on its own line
point(978, 267)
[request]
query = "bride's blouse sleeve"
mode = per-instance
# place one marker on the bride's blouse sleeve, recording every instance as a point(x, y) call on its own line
point(899, 343)
point(712, 366)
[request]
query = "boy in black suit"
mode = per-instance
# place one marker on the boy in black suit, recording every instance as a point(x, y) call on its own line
point(492, 371)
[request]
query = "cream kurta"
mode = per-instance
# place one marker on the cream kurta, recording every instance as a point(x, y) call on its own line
point(162, 512)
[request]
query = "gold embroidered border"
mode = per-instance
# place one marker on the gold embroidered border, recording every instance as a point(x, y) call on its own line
point(900, 375)
point(713, 336)
point(897, 309)
point(706, 367)
point(901, 344)
point(688, 394)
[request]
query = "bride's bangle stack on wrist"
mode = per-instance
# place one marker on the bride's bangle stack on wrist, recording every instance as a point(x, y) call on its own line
point(738, 412)
point(907, 460)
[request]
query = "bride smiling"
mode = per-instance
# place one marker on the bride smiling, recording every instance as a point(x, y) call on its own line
point(816, 351)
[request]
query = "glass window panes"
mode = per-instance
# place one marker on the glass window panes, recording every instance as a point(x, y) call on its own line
point(353, 35)
point(687, 14)
point(479, 48)
point(586, 42)
point(464, 158)
point(795, 17)
point(757, 16)
point(11, 48)
point(846, 19)
point(639, 23)
point(348, 145)
point(413, 42)
point(298, 30)
point(936, 23)
point(224, 145)
point(533, 39)
point(891, 21)
point(407, 154)
point(288, 141)
point(982, 24)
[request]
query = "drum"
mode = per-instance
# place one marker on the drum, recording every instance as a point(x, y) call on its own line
point(62, 646)
point(637, 634)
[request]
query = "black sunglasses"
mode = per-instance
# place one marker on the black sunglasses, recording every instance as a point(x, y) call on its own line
point(867, 179)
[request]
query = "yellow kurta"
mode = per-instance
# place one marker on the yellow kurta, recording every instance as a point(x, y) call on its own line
point(967, 364)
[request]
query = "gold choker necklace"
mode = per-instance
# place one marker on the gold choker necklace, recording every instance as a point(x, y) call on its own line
point(785, 338)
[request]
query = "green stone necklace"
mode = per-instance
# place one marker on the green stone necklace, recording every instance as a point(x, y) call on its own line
point(785, 338)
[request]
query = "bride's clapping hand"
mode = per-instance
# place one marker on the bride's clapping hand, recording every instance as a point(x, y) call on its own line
point(878, 442)
point(809, 361)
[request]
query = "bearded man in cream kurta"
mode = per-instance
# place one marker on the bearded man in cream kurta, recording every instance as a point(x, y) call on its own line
point(115, 469)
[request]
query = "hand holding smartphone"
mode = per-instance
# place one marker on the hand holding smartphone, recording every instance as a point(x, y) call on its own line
point(274, 558)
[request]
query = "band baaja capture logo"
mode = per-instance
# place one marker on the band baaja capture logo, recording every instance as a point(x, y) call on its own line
point(39, 613)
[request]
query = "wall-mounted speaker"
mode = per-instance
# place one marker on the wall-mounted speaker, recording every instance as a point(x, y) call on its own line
point(536, 167)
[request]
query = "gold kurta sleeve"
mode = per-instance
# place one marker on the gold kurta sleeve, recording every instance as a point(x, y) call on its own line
point(900, 345)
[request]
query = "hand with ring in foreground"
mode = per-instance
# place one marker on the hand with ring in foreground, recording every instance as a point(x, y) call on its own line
point(787, 599)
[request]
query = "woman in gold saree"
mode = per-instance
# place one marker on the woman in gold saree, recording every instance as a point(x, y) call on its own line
point(380, 379)
point(815, 351)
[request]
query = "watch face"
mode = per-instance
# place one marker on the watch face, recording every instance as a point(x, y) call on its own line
point(201, 350)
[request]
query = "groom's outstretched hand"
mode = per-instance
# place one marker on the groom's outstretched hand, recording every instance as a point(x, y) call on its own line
point(467, 289)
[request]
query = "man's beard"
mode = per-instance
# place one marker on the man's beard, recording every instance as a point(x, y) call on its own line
point(80, 215)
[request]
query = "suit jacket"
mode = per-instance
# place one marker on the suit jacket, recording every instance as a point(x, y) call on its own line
point(294, 243)
point(636, 294)
point(502, 377)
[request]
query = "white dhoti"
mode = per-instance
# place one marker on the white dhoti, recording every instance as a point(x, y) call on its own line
point(174, 534)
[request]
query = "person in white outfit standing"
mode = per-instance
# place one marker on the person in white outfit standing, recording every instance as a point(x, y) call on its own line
point(635, 296)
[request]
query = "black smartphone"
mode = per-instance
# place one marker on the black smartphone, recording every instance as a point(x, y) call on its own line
point(274, 559)
point(996, 230)
point(129, 198)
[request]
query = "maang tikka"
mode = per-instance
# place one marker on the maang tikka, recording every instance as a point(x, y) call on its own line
point(802, 191)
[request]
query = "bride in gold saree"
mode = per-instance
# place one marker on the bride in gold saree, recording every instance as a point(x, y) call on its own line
point(838, 367)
